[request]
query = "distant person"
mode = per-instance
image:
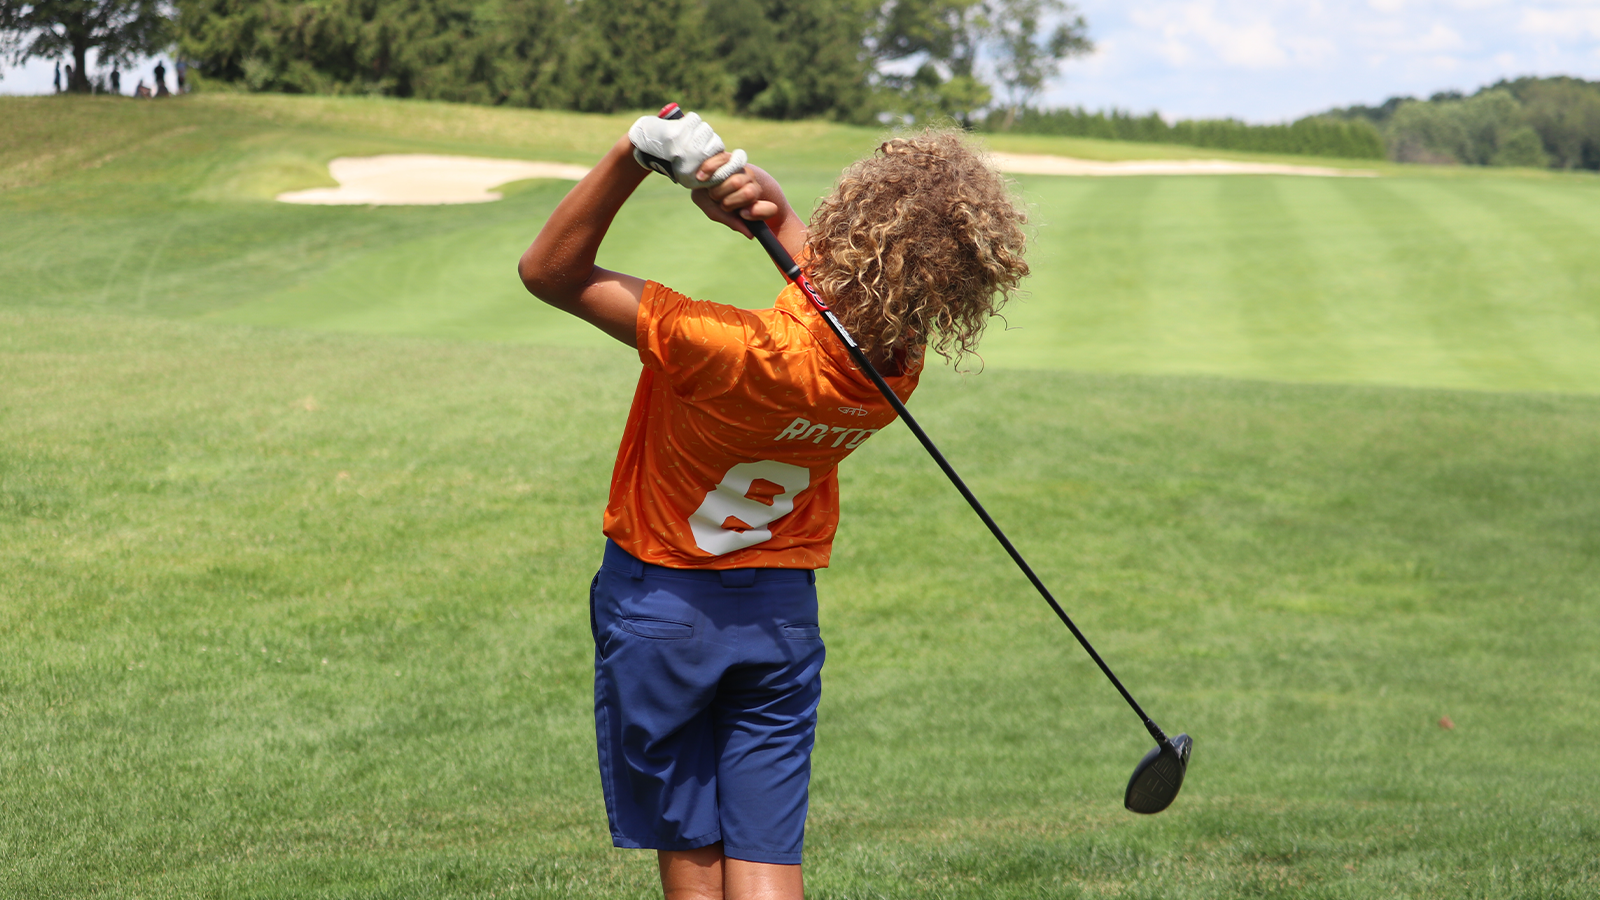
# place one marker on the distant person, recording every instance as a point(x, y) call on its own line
point(161, 80)
point(69, 76)
point(58, 76)
point(180, 70)
point(141, 90)
point(116, 81)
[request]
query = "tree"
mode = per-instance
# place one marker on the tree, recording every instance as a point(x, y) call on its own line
point(637, 54)
point(501, 51)
point(1522, 122)
point(1521, 147)
point(1565, 112)
point(118, 29)
point(953, 38)
point(946, 35)
point(536, 33)
point(1027, 60)
point(1487, 129)
point(792, 59)
point(1426, 132)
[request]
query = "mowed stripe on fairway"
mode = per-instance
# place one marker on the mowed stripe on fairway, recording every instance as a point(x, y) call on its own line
point(1471, 282)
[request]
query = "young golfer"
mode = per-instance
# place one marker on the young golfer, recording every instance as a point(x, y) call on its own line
point(725, 495)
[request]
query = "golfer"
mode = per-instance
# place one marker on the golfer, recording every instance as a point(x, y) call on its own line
point(725, 495)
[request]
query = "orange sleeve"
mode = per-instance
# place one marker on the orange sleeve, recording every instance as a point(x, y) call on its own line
point(697, 346)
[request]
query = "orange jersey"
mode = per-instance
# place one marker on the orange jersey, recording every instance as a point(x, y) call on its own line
point(730, 456)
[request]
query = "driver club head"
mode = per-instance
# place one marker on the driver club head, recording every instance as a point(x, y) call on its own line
point(1158, 777)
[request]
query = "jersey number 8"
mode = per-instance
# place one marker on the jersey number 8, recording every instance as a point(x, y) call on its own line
point(730, 500)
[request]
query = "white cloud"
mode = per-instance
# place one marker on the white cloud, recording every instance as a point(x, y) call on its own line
point(1254, 46)
point(1562, 22)
point(1439, 37)
point(1251, 42)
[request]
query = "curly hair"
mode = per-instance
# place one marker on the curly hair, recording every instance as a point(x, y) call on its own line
point(918, 245)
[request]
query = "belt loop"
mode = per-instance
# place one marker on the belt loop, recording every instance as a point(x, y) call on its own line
point(738, 578)
point(637, 567)
point(811, 576)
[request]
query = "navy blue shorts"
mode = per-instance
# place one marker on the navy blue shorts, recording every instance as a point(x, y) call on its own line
point(705, 705)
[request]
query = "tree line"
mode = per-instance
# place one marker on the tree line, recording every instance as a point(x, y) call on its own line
point(1532, 122)
point(1312, 136)
point(980, 62)
point(1535, 122)
point(847, 60)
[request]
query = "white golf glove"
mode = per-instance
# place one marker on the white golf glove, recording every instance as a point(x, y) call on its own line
point(677, 147)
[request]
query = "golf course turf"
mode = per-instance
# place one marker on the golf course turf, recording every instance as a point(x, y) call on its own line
point(298, 507)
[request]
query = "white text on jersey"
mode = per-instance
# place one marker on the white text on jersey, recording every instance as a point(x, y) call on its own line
point(816, 432)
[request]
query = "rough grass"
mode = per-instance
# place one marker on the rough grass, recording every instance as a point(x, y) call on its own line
point(300, 616)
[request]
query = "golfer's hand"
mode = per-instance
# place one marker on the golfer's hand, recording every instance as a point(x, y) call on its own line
point(747, 194)
point(679, 149)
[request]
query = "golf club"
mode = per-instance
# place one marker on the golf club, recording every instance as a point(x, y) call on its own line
point(1159, 775)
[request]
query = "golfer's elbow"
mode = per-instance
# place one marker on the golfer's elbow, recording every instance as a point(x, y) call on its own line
point(549, 283)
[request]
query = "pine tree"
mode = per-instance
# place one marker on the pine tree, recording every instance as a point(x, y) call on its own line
point(641, 54)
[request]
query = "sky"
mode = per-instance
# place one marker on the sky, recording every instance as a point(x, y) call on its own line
point(1273, 60)
point(1277, 60)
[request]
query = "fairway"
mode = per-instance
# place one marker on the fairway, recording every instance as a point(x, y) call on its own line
point(1480, 280)
point(298, 507)
point(1486, 282)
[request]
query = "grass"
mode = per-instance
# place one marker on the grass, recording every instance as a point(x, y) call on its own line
point(296, 612)
point(1483, 283)
point(1448, 278)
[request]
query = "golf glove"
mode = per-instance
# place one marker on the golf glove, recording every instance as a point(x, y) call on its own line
point(677, 147)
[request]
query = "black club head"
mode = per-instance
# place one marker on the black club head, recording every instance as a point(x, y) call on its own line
point(1158, 777)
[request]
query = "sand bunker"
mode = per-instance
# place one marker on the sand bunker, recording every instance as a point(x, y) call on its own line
point(406, 179)
point(1027, 164)
point(403, 179)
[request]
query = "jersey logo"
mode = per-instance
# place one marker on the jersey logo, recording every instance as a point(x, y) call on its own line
point(852, 411)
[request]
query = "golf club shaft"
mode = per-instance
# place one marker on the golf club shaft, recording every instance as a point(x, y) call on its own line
point(791, 270)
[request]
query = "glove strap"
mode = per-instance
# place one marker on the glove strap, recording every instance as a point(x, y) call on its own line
point(653, 163)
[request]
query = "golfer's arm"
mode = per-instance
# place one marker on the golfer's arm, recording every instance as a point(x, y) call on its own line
point(559, 268)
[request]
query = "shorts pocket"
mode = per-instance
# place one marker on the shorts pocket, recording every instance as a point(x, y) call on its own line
point(803, 631)
point(657, 628)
